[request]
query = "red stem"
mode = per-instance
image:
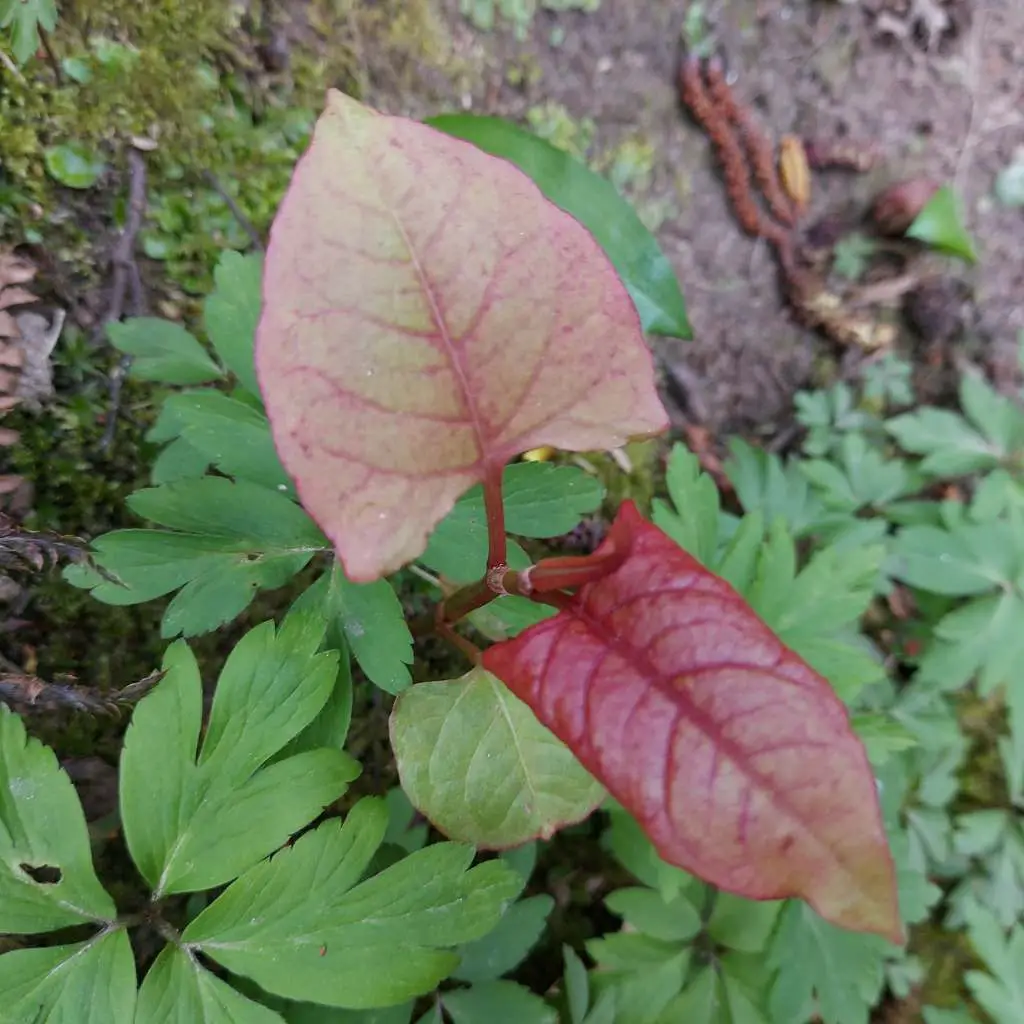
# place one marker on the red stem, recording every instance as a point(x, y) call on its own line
point(497, 546)
point(566, 573)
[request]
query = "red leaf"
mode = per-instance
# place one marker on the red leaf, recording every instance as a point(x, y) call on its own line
point(427, 316)
point(733, 754)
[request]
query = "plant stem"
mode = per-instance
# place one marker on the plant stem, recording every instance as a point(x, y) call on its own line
point(497, 547)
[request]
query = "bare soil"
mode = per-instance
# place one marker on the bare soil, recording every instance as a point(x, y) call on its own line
point(936, 85)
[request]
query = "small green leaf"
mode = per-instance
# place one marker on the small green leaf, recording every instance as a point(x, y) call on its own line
point(231, 313)
point(951, 447)
point(633, 251)
point(230, 435)
point(742, 924)
point(576, 986)
point(73, 165)
point(195, 824)
point(970, 560)
point(301, 927)
point(767, 485)
point(474, 759)
point(373, 621)
point(47, 879)
point(88, 983)
point(502, 949)
point(497, 1002)
point(163, 351)
point(177, 989)
point(674, 920)
point(940, 225)
point(237, 538)
point(694, 525)
point(178, 461)
point(820, 965)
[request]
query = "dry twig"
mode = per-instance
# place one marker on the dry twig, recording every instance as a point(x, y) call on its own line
point(31, 693)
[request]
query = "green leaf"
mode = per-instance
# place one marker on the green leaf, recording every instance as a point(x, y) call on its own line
point(373, 622)
point(540, 500)
point(178, 461)
point(195, 824)
point(646, 987)
point(1001, 993)
point(819, 964)
point(983, 638)
point(231, 435)
point(74, 165)
point(497, 1002)
point(301, 927)
point(237, 538)
point(951, 447)
point(575, 986)
point(940, 225)
point(178, 990)
point(742, 924)
point(308, 1013)
point(231, 313)
point(673, 920)
point(87, 983)
point(507, 945)
point(24, 19)
point(162, 351)
point(47, 879)
point(476, 762)
point(882, 736)
point(767, 485)
point(694, 525)
point(960, 563)
point(646, 273)
point(999, 418)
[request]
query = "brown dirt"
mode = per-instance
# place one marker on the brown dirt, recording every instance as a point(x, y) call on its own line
point(816, 68)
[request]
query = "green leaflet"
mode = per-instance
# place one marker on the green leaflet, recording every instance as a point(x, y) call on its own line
point(498, 1002)
point(179, 990)
point(841, 969)
point(594, 202)
point(775, 489)
point(233, 539)
point(24, 18)
point(646, 911)
point(301, 927)
point(42, 827)
point(373, 622)
point(695, 527)
point(540, 500)
point(475, 760)
point(88, 983)
point(193, 824)
point(231, 313)
point(226, 433)
point(940, 225)
point(949, 444)
point(503, 948)
point(1000, 992)
point(968, 560)
point(163, 351)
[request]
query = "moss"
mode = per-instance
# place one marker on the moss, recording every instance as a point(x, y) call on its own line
point(553, 122)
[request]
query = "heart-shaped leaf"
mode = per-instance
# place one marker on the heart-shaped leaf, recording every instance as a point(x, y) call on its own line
point(736, 757)
point(427, 316)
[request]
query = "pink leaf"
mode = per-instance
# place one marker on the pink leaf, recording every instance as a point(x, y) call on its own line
point(427, 316)
point(733, 754)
